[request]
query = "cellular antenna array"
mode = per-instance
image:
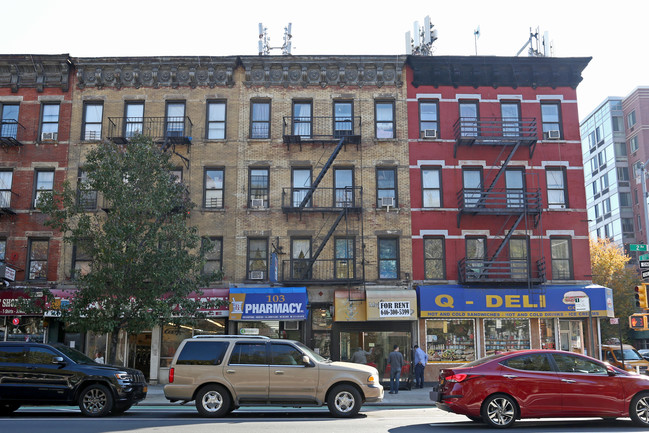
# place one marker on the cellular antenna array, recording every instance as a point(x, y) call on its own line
point(264, 41)
point(420, 42)
point(538, 47)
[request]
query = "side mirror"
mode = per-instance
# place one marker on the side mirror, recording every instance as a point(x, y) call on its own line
point(306, 361)
point(58, 360)
point(610, 370)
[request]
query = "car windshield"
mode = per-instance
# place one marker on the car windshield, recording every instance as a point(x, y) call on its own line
point(629, 355)
point(310, 352)
point(74, 354)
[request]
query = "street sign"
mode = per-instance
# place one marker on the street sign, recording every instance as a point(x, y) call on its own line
point(644, 263)
point(644, 257)
point(614, 321)
point(583, 304)
point(638, 247)
point(645, 274)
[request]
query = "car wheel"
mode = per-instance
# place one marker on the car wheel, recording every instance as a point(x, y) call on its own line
point(96, 400)
point(344, 401)
point(8, 408)
point(639, 410)
point(213, 401)
point(499, 411)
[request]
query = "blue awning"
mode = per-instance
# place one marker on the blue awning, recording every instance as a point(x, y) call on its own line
point(268, 303)
point(455, 301)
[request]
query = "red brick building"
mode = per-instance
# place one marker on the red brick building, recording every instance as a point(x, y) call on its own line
point(499, 222)
point(35, 108)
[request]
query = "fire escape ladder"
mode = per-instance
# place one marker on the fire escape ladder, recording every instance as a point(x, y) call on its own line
point(505, 241)
point(323, 243)
point(503, 167)
point(325, 168)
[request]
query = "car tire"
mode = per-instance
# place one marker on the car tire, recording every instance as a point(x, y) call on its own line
point(344, 401)
point(8, 408)
point(499, 411)
point(96, 400)
point(639, 409)
point(213, 401)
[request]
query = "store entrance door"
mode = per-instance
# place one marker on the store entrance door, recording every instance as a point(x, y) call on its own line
point(139, 351)
point(572, 335)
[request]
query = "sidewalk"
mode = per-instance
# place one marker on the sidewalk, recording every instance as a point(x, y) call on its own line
point(415, 397)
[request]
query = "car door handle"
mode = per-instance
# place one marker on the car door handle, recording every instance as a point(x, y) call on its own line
point(279, 371)
point(510, 376)
point(231, 371)
point(568, 380)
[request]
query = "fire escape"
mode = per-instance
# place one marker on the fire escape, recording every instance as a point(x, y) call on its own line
point(519, 202)
point(340, 206)
point(11, 137)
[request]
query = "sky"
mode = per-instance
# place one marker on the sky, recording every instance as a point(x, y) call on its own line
point(611, 33)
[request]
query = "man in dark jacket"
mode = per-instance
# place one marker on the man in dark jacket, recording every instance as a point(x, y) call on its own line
point(395, 359)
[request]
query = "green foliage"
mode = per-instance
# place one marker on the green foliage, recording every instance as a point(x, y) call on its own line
point(145, 259)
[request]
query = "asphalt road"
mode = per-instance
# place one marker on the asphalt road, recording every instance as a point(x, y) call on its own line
point(166, 419)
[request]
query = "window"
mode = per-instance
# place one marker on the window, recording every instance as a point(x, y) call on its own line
point(428, 117)
point(87, 198)
point(388, 258)
point(9, 120)
point(302, 120)
point(203, 353)
point(3, 249)
point(92, 119)
point(343, 118)
point(627, 225)
point(257, 259)
point(450, 340)
point(625, 199)
point(213, 256)
point(556, 185)
point(510, 113)
point(175, 119)
point(260, 124)
point(37, 266)
point(515, 186)
point(476, 253)
point(434, 259)
point(213, 194)
point(81, 258)
point(248, 353)
point(606, 206)
point(44, 183)
point(633, 143)
point(620, 150)
point(431, 186)
point(603, 183)
point(344, 260)
point(300, 255)
point(384, 123)
point(285, 354)
point(518, 258)
point(301, 185)
point(133, 119)
point(576, 364)
point(49, 122)
point(386, 186)
point(41, 355)
point(258, 187)
point(561, 258)
point(343, 187)
point(551, 118)
point(630, 119)
point(469, 116)
point(6, 179)
point(532, 362)
point(216, 120)
point(472, 186)
point(617, 124)
point(623, 174)
point(177, 174)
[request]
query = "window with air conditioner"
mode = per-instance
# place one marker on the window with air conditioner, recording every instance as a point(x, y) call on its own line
point(556, 188)
point(257, 258)
point(49, 122)
point(387, 201)
point(386, 186)
point(428, 118)
point(429, 133)
point(257, 203)
point(258, 187)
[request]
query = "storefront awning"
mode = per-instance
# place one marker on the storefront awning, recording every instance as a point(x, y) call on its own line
point(268, 303)
point(453, 301)
point(391, 304)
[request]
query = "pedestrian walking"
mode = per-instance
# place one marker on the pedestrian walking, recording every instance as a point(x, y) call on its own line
point(421, 358)
point(395, 359)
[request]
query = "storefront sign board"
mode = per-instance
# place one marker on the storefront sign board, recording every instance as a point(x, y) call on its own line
point(271, 303)
point(350, 306)
point(391, 304)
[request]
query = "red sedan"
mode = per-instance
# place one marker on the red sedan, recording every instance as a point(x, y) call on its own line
point(500, 389)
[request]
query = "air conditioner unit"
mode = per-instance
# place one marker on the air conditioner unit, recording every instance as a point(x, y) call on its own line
point(429, 133)
point(257, 203)
point(554, 134)
point(387, 201)
point(49, 136)
point(291, 325)
point(256, 275)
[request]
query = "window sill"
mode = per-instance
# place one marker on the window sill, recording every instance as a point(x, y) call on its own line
point(213, 209)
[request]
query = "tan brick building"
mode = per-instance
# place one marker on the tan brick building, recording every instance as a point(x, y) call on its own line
point(299, 166)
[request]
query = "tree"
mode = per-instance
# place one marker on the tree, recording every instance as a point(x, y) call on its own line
point(609, 268)
point(145, 260)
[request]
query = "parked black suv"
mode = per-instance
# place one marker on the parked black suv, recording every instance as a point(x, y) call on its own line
point(41, 374)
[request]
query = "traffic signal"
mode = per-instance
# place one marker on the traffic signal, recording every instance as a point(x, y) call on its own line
point(639, 322)
point(641, 296)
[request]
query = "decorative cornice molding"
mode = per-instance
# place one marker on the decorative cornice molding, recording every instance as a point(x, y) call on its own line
point(35, 71)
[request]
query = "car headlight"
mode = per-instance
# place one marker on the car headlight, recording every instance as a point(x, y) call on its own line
point(127, 377)
point(372, 380)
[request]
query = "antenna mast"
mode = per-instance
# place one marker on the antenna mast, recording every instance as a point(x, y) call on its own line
point(535, 44)
point(264, 41)
point(422, 42)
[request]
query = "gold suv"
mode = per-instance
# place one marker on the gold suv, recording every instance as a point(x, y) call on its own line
point(225, 372)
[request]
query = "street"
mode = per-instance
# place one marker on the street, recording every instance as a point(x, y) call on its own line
point(166, 419)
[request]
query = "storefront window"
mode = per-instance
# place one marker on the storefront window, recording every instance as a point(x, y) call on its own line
point(377, 346)
point(173, 335)
point(96, 346)
point(548, 335)
point(321, 321)
point(502, 335)
point(28, 329)
point(450, 340)
point(572, 335)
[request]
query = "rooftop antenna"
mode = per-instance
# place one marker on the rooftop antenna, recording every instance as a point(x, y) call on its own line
point(420, 42)
point(534, 44)
point(264, 41)
point(476, 36)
